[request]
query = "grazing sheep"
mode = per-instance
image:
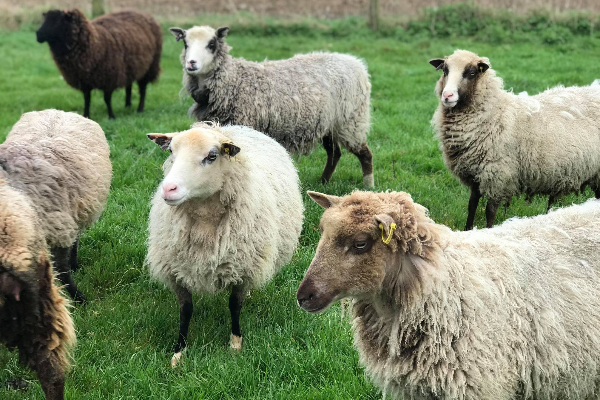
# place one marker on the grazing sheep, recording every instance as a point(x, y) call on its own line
point(300, 102)
point(33, 315)
point(505, 313)
point(228, 214)
point(500, 144)
point(60, 161)
point(110, 52)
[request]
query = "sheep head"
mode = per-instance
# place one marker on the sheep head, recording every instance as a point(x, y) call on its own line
point(364, 238)
point(199, 163)
point(59, 28)
point(461, 73)
point(201, 45)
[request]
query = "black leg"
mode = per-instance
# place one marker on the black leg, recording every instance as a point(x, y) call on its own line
point(60, 256)
point(236, 299)
point(128, 96)
point(597, 193)
point(551, 200)
point(142, 86)
point(473, 203)
point(333, 156)
point(184, 298)
point(366, 162)
point(51, 377)
point(490, 212)
point(87, 98)
point(73, 262)
point(108, 101)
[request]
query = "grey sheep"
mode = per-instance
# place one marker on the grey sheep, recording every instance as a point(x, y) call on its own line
point(300, 102)
point(60, 161)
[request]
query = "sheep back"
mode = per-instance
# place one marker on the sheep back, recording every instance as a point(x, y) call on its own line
point(295, 101)
point(257, 234)
point(61, 161)
point(504, 313)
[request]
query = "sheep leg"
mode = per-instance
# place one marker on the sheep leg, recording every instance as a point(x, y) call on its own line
point(60, 255)
point(184, 298)
point(366, 162)
point(51, 377)
point(87, 99)
point(108, 101)
point(333, 156)
point(73, 262)
point(551, 200)
point(128, 95)
point(597, 193)
point(473, 203)
point(490, 212)
point(236, 299)
point(142, 87)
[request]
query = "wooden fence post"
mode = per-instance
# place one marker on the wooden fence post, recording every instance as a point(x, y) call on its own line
point(374, 15)
point(98, 8)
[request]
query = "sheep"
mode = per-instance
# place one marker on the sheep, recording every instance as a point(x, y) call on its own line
point(500, 144)
point(33, 314)
point(60, 162)
point(110, 52)
point(228, 214)
point(310, 98)
point(504, 313)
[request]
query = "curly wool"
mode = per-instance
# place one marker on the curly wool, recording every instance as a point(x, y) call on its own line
point(244, 235)
point(60, 161)
point(112, 51)
point(511, 144)
point(509, 312)
point(296, 101)
point(39, 324)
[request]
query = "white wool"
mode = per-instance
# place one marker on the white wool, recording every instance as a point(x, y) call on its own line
point(257, 234)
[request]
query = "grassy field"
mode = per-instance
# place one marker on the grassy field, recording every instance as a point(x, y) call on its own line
point(126, 332)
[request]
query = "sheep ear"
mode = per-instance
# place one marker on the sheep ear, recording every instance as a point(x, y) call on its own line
point(438, 63)
point(10, 286)
point(385, 222)
point(178, 33)
point(160, 139)
point(483, 66)
point(222, 32)
point(324, 200)
point(229, 149)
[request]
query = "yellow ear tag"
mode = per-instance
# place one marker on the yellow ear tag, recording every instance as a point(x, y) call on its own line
point(481, 70)
point(389, 238)
point(227, 150)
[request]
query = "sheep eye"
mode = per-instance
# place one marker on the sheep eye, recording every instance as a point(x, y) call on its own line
point(211, 157)
point(360, 245)
point(211, 44)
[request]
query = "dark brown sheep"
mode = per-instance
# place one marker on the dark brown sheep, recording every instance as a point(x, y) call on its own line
point(110, 52)
point(33, 314)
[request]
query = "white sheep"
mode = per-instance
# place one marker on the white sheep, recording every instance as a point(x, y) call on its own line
point(506, 313)
point(228, 214)
point(300, 102)
point(500, 144)
point(60, 161)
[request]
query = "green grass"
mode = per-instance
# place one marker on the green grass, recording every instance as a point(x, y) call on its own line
point(126, 332)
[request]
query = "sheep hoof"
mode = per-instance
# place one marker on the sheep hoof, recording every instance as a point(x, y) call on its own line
point(175, 359)
point(236, 342)
point(369, 181)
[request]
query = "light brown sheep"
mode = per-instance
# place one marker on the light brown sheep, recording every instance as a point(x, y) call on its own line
point(504, 313)
point(33, 314)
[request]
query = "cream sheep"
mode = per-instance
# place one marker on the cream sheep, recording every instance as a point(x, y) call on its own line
point(500, 144)
point(60, 161)
point(33, 314)
point(300, 102)
point(505, 313)
point(228, 214)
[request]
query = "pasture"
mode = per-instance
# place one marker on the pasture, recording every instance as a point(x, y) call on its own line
point(127, 330)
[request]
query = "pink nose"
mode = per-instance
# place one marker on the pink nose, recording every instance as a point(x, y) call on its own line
point(191, 64)
point(169, 188)
point(447, 95)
